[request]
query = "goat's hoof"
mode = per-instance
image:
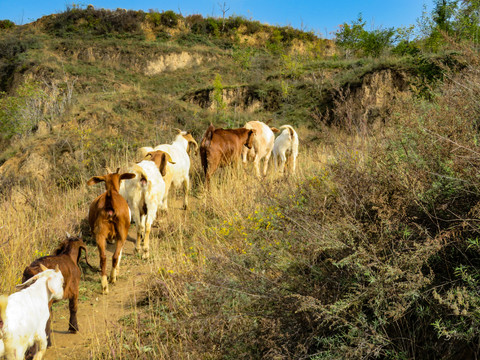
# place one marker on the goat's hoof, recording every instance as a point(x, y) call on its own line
point(104, 284)
point(145, 255)
point(72, 330)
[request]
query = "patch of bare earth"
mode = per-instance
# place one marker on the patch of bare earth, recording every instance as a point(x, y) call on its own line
point(98, 314)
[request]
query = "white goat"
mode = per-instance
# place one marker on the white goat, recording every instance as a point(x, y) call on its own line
point(262, 145)
point(285, 149)
point(24, 314)
point(144, 195)
point(178, 171)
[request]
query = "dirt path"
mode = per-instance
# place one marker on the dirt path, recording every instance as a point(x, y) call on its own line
point(98, 314)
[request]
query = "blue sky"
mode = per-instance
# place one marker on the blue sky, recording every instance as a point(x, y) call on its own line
point(320, 16)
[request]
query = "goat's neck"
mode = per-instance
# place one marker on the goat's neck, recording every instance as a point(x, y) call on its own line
point(37, 290)
point(180, 142)
point(74, 254)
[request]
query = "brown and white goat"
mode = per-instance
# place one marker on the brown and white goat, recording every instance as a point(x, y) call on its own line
point(222, 147)
point(66, 257)
point(109, 217)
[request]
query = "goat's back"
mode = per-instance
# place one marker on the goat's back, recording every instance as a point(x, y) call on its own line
point(263, 139)
point(181, 167)
point(286, 142)
point(147, 183)
point(27, 312)
point(224, 143)
point(70, 271)
point(107, 210)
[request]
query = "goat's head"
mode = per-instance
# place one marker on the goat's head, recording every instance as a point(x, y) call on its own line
point(55, 282)
point(250, 137)
point(189, 138)
point(112, 181)
point(73, 246)
point(191, 141)
point(160, 158)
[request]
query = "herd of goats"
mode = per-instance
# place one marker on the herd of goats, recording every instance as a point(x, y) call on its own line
point(134, 195)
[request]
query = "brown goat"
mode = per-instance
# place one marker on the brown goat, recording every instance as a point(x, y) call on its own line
point(66, 257)
point(109, 217)
point(221, 147)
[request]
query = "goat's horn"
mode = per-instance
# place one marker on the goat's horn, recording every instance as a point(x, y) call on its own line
point(178, 130)
point(43, 267)
point(68, 234)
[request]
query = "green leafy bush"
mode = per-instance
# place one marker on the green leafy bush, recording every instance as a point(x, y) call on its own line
point(96, 22)
point(6, 24)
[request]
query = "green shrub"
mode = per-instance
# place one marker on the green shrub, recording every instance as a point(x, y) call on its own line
point(169, 19)
point(96, 22)
point(6, 24)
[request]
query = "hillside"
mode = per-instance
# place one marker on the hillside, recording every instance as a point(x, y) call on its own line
point(370, 251)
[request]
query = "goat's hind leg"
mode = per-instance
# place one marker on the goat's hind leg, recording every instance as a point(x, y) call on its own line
point(73, 306)
point(186, 188)
point(101, 240)
point(42, 347)
point(117, 256)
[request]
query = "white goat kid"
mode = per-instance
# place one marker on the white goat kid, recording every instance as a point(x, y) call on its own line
point(285, 150)
point(24, 314)
point(144, 195)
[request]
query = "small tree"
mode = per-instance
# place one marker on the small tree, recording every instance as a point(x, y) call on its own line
point(349, 36)
point(373, 43)
point(218, 93)
point(354, 38)
point(224, 10)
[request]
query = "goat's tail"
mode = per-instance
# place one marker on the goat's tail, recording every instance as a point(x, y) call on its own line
point(290, 130)
point(109, 204)
point(207, 138)
point(3, 310)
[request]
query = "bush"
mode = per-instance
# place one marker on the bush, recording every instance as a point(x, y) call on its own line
point(6, 24)
point(96, 22)
point(373, 255)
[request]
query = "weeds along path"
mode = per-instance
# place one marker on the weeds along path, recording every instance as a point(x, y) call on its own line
point(98, 314)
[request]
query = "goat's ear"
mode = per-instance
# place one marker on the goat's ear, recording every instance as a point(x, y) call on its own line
point(95, 180)
point(126, 176)
point(163, 164)
point(26, 283)
point(274, 129)
point(166, 158)
point(169, 158)
point(191, 141)
point(43, 267)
